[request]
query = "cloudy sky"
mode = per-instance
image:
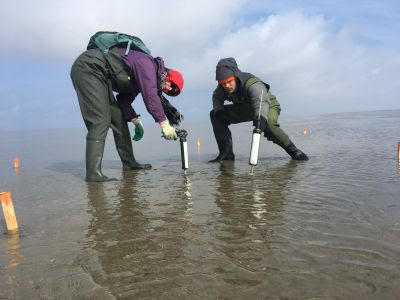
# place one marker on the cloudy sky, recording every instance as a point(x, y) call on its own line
point(338, 56)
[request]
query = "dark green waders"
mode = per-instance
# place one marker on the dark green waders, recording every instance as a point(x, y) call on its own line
point(242, 112)
point(275, 134)
point(100, 111)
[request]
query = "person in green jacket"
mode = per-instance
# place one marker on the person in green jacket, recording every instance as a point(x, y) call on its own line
point(245, 91)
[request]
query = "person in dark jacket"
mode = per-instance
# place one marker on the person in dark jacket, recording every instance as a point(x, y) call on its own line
point(96, 76)
point(246, 92)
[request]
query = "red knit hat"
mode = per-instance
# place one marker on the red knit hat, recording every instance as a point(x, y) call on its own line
point(176, 79)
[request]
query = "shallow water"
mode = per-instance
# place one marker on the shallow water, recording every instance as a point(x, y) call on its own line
point(328, 228)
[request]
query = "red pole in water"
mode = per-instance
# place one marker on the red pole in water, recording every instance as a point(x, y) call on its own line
point(8, 210)
point(16, 162)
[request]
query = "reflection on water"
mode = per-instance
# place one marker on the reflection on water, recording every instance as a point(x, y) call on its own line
point(253, 198)
point(131, 246)
point(13, 251)
point(327, 228)
point(251, 208)
point(185, 194)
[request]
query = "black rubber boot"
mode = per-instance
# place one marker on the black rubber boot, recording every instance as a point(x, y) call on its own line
point(135, 166)
point(94, 156)
point(125, 151)
point(295, 153)
point(225, 148)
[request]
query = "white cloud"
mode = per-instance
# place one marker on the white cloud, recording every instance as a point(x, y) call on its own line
point(312, 63)
point(306, 63)
point(62, 29)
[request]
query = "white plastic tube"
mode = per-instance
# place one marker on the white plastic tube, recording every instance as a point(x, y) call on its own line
point(184, 155)
point(255, 146)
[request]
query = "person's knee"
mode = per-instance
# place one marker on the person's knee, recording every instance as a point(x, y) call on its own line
point(97, 133)
point(212, 115)
point(273, 119)
point(274, 131)
point(99, 128)
point(277, 137)
point(268, 133)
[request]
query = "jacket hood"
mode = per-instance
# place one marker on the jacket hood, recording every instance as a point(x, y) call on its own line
point(226, 67)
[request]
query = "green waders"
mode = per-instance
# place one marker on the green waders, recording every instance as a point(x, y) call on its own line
point(100, 111)
point(242, 112)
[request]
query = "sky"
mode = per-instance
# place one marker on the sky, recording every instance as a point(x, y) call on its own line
point(318, 56)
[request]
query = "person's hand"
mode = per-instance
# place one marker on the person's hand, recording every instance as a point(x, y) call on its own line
point(263, 123)
point(139, 131)
point(168, 132)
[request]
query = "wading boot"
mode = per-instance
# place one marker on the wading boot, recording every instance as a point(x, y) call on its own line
point(295, 153)
point(94, 156)
point(135, 166)
point(125, 151)
point(225, 148)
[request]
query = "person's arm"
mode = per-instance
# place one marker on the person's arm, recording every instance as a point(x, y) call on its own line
point(218, 105)
point(146, 79)
point(125, 103)
point(218, 99)
point(258, 92)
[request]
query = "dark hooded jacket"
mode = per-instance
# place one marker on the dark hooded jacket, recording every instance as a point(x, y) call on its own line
point(227, 67)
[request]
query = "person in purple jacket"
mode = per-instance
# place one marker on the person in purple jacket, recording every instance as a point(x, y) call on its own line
point(95, 77)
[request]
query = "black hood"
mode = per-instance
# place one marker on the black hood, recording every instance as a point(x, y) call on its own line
point(226, 67)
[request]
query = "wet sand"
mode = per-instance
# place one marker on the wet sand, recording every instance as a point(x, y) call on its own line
point(328, 228)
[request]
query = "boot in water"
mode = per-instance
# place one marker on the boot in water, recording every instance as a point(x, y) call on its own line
point(136, 166)
point(225, 150)
point(294, 152)
point(94, 156)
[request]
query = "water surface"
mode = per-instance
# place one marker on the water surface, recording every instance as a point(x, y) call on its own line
point(328, 228)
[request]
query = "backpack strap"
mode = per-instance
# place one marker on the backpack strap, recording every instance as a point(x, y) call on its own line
point(252, 80)
point(110, 76)
point(128, 47)
point(249, 82)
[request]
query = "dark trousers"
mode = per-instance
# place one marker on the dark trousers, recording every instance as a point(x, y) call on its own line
point(99, 109)
point(239, 113)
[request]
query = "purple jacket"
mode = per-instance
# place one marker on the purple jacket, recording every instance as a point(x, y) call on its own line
point(146, 71)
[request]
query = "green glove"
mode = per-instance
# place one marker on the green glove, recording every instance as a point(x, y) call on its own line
point(168, 132)
point(139, 131)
